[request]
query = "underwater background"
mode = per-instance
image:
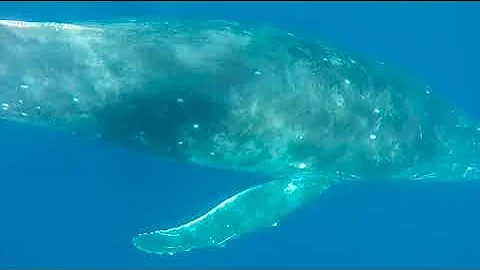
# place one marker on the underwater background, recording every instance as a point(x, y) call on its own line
point(65, 202)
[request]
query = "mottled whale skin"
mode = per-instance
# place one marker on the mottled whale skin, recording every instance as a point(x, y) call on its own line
point(226, 95)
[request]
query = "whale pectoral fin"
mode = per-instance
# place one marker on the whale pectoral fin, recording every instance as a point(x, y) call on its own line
point(164, 241)
point(260, 206)
point(178, 239)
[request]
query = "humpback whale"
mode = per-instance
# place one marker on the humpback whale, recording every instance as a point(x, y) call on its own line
point(240, 97)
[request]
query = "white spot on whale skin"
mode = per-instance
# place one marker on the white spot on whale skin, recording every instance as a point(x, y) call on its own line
point(5, 106)
point(372, 136)
point(335, 61)
point(23, 86)
point(302, 165)
point(347, 81)
point(196, 126)
point(76, 100)
point(467, 170)
point(180, 100)
point(339, 101)
point(290, 188)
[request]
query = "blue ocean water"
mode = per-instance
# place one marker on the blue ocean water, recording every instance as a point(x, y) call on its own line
point(74, 203)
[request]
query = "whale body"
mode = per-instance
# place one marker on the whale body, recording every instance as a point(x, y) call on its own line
point(227, 95)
